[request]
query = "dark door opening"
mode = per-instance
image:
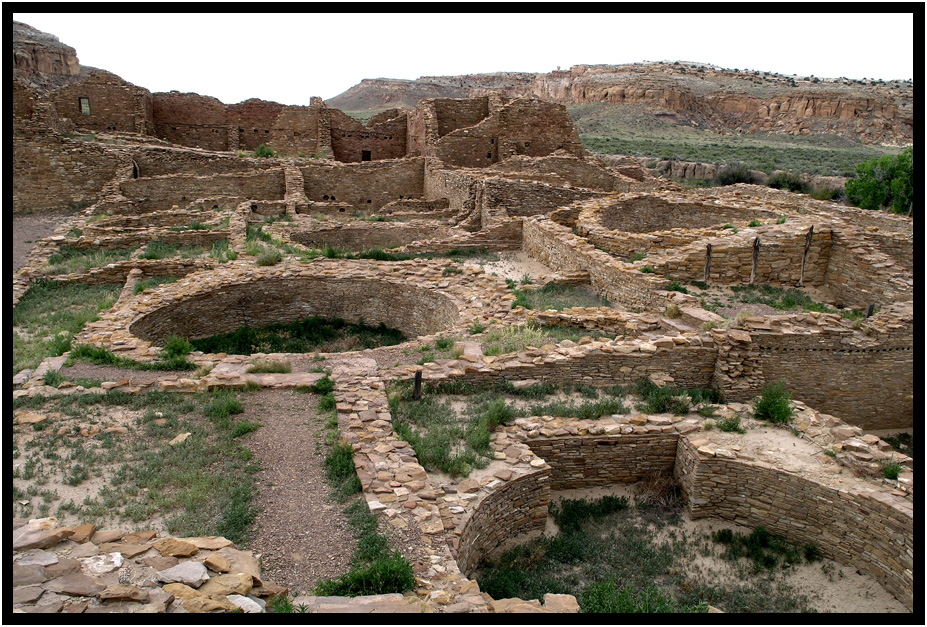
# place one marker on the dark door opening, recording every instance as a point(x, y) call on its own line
point(365, 155)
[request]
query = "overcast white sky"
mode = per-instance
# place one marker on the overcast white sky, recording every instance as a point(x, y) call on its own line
point(290, 57)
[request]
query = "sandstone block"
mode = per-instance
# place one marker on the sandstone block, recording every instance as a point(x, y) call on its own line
point(172, 547)
point(188, 573)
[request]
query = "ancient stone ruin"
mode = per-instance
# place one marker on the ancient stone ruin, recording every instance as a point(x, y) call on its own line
point(470, 174)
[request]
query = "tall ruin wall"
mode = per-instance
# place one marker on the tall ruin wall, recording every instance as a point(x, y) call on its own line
point(366, 186)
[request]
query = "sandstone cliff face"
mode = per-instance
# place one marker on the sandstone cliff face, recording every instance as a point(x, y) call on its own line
point(724, 100)
point(41, 59)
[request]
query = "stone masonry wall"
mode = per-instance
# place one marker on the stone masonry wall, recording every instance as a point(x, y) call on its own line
point(261, 303)
point(859, 275)
point(190, 120)
point(367, 186)
point(870, 530)
point(350, 139)
point(558, 248)
point(372, 235)
point(642, 213)
point(115, 105)
point(160, 193)
point(517, 508)
point(870, 387)
point(51, 172)
point(605, 460)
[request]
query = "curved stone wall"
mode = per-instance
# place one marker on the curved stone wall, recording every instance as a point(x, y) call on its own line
point(645, 213)
point(865, 528)
point(284, 300)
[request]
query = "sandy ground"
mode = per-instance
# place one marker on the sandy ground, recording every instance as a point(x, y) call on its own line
point(513, 265)
point(29, 228)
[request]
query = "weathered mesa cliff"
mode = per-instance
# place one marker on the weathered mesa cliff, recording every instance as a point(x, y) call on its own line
point(41, 59)
point(728, 100)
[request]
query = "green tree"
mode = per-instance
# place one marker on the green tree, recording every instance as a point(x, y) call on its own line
point(884, 182)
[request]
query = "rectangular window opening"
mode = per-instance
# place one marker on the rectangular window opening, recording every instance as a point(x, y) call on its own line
point(84, 105)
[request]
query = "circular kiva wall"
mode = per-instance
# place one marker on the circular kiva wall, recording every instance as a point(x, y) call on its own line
point(645, 214)
point(359, 238)
point(414, 311)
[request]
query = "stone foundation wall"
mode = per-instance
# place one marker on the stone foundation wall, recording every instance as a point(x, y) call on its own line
point(367, 186)
point(558, 248)
point(51, 172)
point(642, 213)
point(370, 235)
point(517, 508)
point(260, 303)
point(528, 198)
point(160, 193)
point(859, 275)
point(154, 161)
point(870, 530)
point(580, 462)
point(869, 387)
point(190, 120)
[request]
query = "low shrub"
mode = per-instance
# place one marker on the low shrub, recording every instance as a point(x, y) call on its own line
point(735, 173)
point(263, 151)
point(269, 257)
point(270, 366)
point(175, 347)
point(774, 404)
point(787, 181)
point(891, 471)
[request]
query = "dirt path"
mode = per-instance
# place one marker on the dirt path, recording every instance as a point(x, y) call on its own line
point(301, 533)
point(29, 228)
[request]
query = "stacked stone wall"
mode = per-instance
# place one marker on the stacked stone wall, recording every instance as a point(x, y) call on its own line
point(558, 248)
point(370, 235)
point(163, 192)
point(115, 105)
point(868, 386)
point(453, 114)
point(643, 213)
point(581, 462)
point(366, 186)
point(51, 172)
point(190, 120)
point(350, 139)
point(264, 302)
point(870, 530)
point(860, 276)
point(254, 119)
point(528, 198)
point(517, 508)
point(154, 161)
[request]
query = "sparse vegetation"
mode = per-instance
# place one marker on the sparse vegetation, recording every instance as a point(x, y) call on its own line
point(774, 405)
point(328, 335)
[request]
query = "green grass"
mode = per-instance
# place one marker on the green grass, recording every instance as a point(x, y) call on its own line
point(221, 252)
point(49, 315)
point(669, 399)
point(558, 297)
point(68, 259)
point(270, 366)
point(308, 335)
point(514, 339)
point(606, 554)
point(374, 569)
point(202, 487)
point(788, 300)
point(165, 250)
point(457, 443)
point(146, 284)
point(892, 470)
point(103, 357)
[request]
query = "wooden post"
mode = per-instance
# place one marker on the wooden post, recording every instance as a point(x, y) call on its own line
point(870, 310)
point(417, 388)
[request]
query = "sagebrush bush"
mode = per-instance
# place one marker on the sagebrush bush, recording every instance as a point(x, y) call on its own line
point(263, 151)
point(774, 404)
point(787, 181)
point(734, 173)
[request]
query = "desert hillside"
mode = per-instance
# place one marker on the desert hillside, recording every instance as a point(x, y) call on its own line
point(691, 94)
